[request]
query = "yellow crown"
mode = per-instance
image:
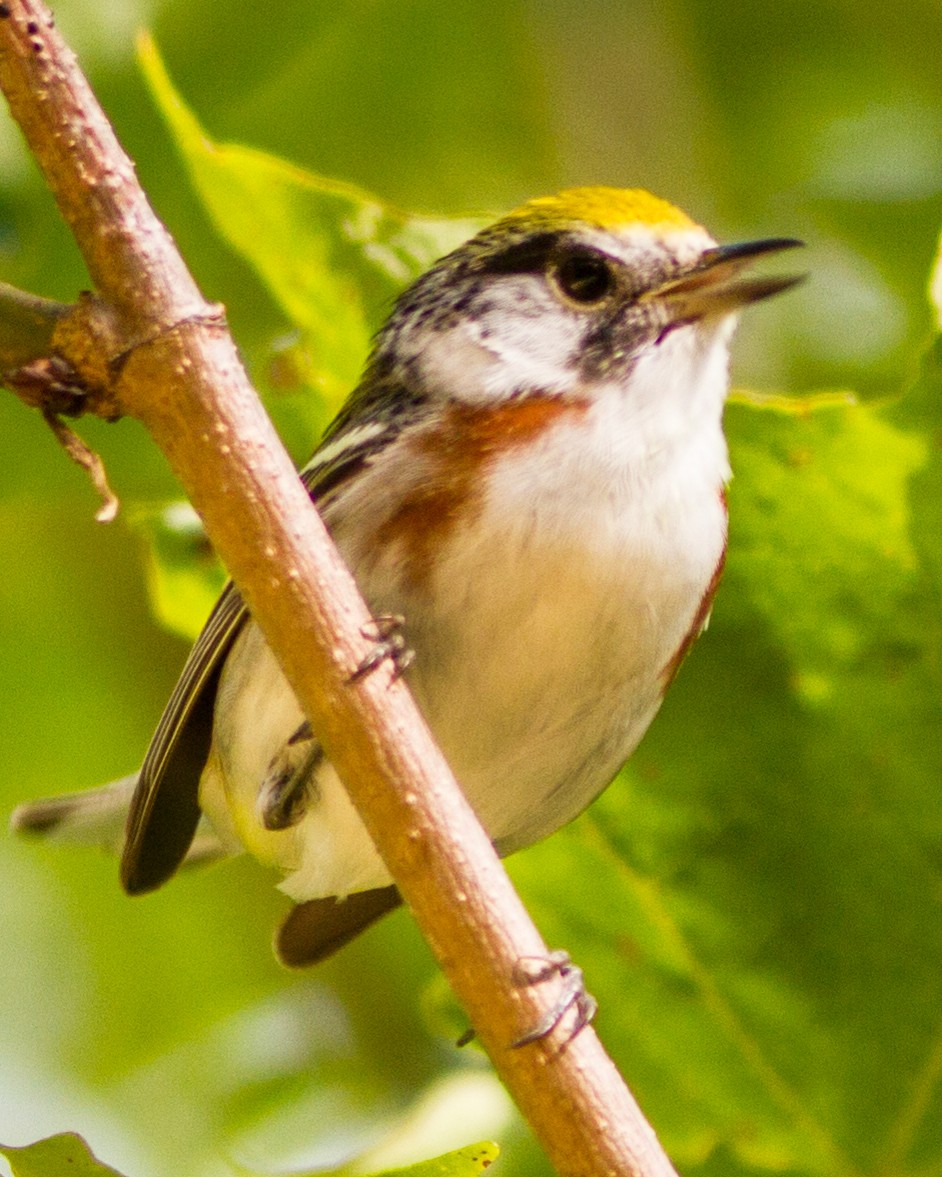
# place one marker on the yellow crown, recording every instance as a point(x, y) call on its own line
point(605, 208)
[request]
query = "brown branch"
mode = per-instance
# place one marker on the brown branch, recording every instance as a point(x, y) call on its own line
point(169, 361)
point(27, 323)
point(31, 331)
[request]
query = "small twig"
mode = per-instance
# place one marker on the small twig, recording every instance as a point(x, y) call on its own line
point(52, 385)
point(27, 323)
point(81, 453)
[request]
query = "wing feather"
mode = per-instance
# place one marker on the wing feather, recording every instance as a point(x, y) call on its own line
point(165, 809)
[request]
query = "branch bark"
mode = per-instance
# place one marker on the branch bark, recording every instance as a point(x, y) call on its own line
point(27, 323)
point(150, 346)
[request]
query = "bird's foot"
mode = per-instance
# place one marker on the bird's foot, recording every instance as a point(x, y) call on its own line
point(572, 1000)
point(385, 632)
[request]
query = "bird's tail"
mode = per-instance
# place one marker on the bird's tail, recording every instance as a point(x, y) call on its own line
point(96, 817)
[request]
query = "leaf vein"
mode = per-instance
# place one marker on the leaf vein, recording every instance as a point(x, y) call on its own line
point(782, 1094)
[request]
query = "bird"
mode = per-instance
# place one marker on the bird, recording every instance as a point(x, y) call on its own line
point(529, 485)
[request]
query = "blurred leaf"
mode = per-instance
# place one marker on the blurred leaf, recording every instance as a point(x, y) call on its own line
point(184, 578)
point(935, 286)
point(768, 951)
point(56, 1156)
point(334, 257)
point(462, 1162)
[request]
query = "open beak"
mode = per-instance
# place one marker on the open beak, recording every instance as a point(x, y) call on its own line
point(714, 285)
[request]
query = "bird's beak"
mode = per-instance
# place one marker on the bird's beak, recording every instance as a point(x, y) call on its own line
point(713, 286)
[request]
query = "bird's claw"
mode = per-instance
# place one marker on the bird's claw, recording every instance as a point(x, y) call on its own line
point(385, 632)
point(533, 970)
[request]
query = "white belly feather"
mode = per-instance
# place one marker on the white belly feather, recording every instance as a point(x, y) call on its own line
point(539, 663)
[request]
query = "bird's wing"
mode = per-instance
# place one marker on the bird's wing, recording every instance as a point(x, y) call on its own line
point(165, 808)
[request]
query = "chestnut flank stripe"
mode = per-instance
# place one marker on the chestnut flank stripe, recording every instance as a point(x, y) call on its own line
point(669, 673)
point(468, 439)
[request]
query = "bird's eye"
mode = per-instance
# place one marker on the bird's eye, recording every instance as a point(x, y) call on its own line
point(584, 278)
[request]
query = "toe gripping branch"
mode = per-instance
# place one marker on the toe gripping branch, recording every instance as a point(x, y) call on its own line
point(385, 632)
point(573, 998)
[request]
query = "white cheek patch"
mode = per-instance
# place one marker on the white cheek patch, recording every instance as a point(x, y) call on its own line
point(539, 354)
point(501, 354)
point(455, 362)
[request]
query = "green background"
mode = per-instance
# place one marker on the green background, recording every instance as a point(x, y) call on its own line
point(757, 901)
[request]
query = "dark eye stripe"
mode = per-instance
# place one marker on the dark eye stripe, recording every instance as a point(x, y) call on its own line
point(528, 256)
point(583, 275)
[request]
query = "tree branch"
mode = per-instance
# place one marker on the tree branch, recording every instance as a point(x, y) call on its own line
point(27, 323)
point(150, 347)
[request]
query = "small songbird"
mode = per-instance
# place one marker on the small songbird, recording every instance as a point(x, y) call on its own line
point(531, 475)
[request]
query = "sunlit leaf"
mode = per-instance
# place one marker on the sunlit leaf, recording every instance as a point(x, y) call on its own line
point(935, 286)
point(462, 1162)
point(56, 1156)
point(184, 577)
point(334, 257)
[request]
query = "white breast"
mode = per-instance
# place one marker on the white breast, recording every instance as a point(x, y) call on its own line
point(543, 637)
point(556, 615)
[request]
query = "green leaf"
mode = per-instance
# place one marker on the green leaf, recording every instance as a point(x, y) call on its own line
point(184, 578)
point(56, 1156)
point(68, 1153)
point(332, 256)
point(935, 286)
point(462, 1162)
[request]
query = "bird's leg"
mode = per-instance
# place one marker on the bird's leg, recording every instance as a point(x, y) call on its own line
point(286, 791)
